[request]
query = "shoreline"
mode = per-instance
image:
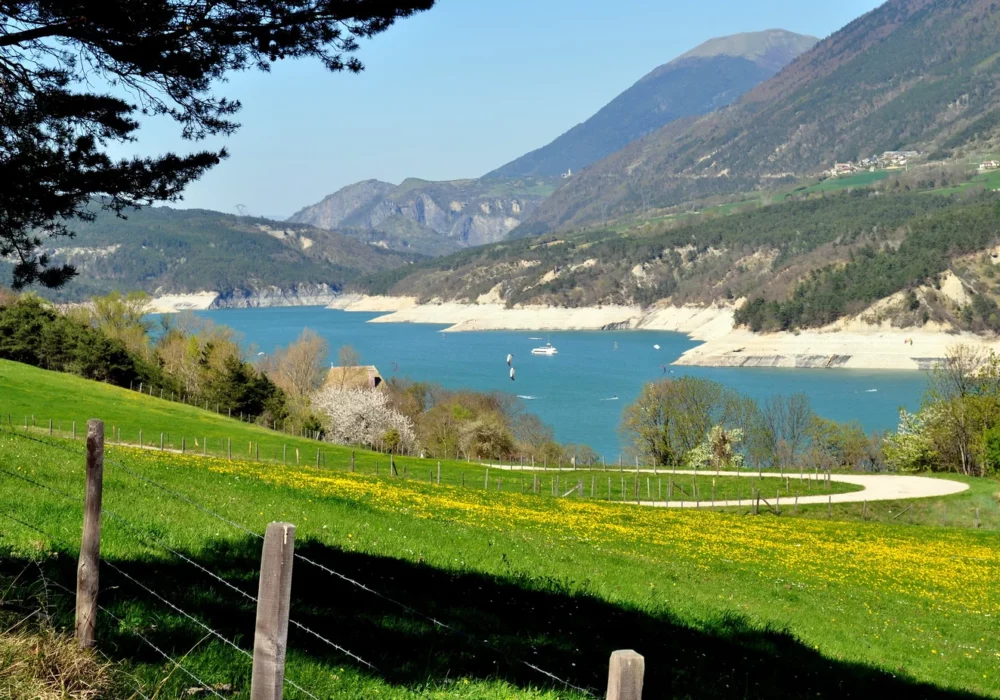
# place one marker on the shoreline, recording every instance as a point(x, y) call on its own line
point(701, 323)
point(844, 346)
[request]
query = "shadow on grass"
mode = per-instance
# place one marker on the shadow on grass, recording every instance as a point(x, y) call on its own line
point(535, 620)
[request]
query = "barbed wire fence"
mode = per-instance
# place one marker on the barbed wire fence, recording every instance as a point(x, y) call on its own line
point(279, 538)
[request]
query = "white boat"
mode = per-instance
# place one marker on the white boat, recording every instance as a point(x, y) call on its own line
point(546, 349)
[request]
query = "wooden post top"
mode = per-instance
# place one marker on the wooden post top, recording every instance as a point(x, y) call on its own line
point(625, 674)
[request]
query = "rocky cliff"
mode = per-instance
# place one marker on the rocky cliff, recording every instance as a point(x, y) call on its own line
point(292, 295)
point(427, 217)
point(347, 202)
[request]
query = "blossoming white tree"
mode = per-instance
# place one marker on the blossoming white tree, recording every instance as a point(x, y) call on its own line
point(718, 450)
point(363, 417)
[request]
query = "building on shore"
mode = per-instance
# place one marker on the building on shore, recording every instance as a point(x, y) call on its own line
point(354, 377)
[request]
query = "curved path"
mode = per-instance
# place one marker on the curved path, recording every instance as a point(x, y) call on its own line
point(874, 487)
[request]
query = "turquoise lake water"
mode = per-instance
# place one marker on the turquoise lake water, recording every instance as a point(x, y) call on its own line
point(574, 391)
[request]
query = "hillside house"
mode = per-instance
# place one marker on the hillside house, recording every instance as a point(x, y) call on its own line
point(355, 377)
point(989, 165)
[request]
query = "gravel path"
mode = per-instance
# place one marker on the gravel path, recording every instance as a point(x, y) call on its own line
point(874, 487)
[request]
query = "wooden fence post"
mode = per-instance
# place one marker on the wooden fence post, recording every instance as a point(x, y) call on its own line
point(74, 427)
point(90, 545)
point(439, 474)
point(273, 600)
point(625, 675)
point(229, 448)
point(352, 460)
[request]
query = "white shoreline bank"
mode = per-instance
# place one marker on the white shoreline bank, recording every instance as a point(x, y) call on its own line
point(851, 346)
point(701, 323)
point(175, 303)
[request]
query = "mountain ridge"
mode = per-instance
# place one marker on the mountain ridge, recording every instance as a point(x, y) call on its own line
point(427, 217)
point(709, 76)
point(909, 74)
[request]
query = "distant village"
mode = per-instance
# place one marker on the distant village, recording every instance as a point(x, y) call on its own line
point(891, 160)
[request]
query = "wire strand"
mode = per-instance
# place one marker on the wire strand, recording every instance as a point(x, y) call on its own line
point(440, 624)
point(350, 580)
point(116, 618)
point(205, 570)
point(162, 653)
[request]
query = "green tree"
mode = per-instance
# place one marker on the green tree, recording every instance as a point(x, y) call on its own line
point(123, 317)
point(991, 451)
point(910, 448)
point(782, 431)
point(673, 416)
point(55, 124)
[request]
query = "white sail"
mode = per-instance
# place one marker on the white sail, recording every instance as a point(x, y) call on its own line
point(512, 374)
point(510, 356)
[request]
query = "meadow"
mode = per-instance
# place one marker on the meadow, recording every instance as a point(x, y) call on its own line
point(719, 603)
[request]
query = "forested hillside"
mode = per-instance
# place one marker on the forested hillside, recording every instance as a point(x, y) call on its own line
point(915, 74)
point(165, 250)
point(805, 262)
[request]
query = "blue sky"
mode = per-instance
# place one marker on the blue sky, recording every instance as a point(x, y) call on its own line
point(458, 91)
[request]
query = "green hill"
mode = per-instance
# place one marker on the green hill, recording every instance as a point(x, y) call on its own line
point(911, 74)
point(706, 78)
point(166, 250)
point(866, 608)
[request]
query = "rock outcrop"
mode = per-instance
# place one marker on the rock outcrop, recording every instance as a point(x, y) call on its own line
point(427, 217)
point(296, 295)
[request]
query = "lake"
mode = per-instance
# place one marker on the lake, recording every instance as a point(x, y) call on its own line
point(581, 391)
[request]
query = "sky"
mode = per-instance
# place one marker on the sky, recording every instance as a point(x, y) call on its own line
point(456, 92)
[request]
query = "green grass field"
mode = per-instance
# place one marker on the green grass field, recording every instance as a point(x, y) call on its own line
point(721, 604)
point(832, 184)
point(202, 432)
point(990, 180)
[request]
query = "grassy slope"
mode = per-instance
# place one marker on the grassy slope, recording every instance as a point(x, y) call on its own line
point(718, 603)
point(35, 397)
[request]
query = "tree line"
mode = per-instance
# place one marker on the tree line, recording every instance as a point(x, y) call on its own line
point(699, 423)
point(113, 339)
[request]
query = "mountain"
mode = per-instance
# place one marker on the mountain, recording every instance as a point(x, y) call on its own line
point(911, 74)
point(164, 251)
point(425, 217)
point(705, 78)
point(891, 255)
